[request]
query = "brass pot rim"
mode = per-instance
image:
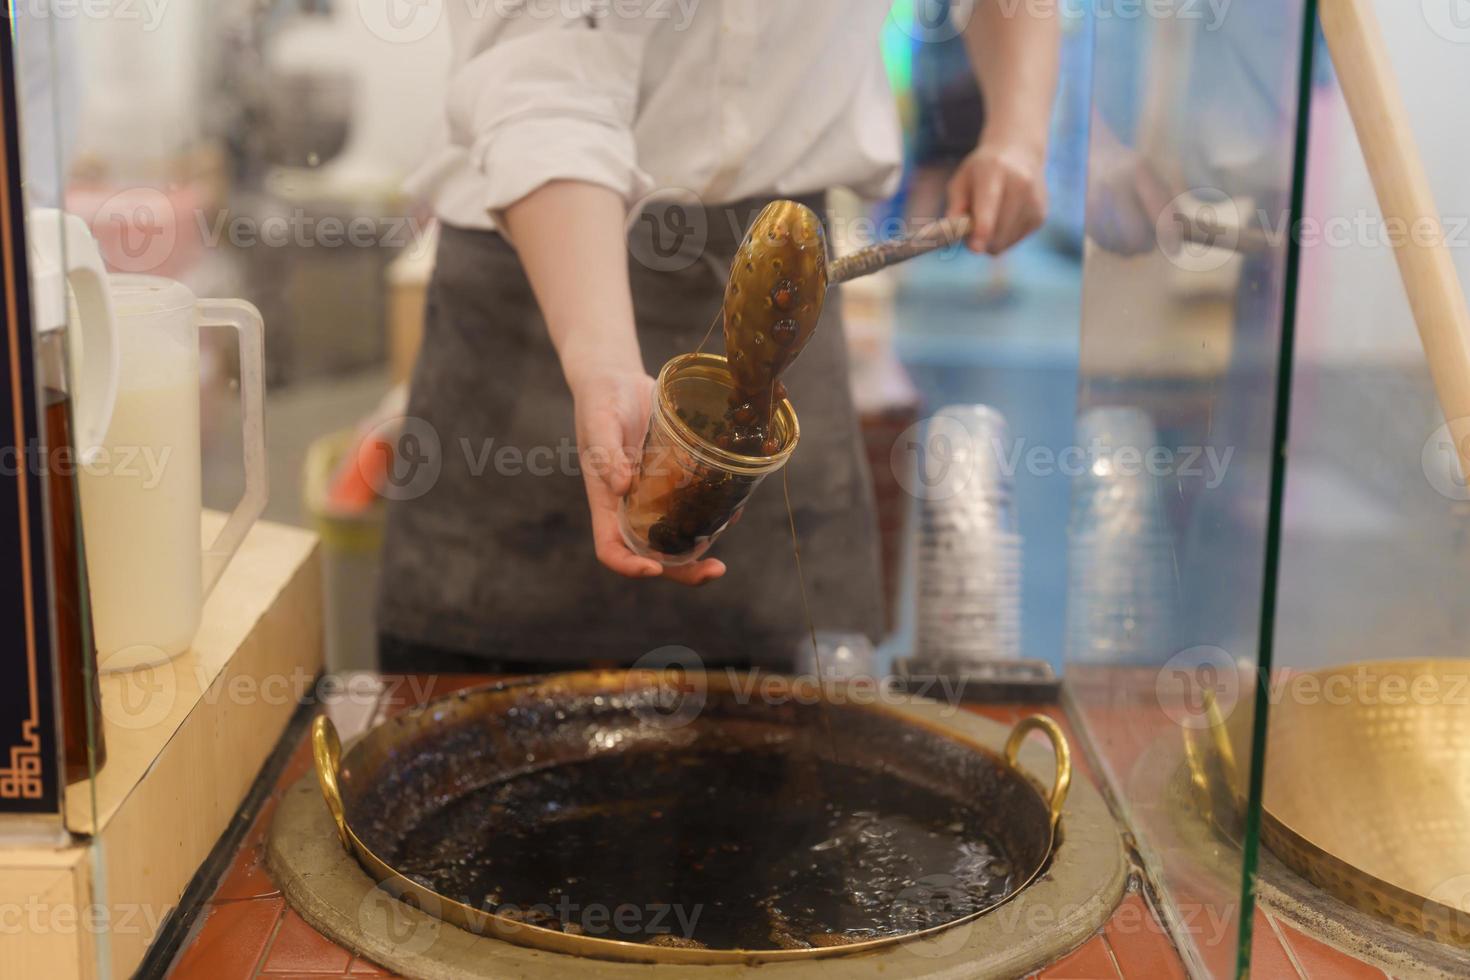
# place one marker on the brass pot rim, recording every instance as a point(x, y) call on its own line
point(327, 754)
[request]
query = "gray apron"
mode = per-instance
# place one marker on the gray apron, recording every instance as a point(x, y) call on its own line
point(492, 559)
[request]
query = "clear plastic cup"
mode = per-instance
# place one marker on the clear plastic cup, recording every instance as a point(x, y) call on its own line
point(687, 489)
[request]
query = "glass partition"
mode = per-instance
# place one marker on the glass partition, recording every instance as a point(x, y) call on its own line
point(1186, 306)
point(1370, 695)
point(62, 271)
point(64, 276)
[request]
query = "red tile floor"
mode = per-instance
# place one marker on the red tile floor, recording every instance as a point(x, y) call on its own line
point(245, 930)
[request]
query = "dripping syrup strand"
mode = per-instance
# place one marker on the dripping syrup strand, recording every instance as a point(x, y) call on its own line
point(810, 623)
point(714, 322)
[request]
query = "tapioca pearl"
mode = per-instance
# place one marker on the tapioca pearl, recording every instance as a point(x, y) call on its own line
point(784, 332)
point(667, 540)
point(784, 295)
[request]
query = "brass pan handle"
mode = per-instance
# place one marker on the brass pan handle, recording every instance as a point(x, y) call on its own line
point(326, 750)
point(1059, 747)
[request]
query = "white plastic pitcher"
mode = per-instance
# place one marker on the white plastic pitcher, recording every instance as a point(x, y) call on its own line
point(141, 498)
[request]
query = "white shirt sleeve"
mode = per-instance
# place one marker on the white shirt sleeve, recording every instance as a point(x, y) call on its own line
point(548, 96)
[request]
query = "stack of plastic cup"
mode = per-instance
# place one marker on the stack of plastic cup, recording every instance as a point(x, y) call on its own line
point(1121, 596)
point(969, 548)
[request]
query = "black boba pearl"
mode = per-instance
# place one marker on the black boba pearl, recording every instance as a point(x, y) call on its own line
point(749, 443)
point(667, 540)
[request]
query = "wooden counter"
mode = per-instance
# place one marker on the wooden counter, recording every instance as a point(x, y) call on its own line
point(184, 743)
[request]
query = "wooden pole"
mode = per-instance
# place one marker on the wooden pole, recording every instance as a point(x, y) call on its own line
point(1402, 186)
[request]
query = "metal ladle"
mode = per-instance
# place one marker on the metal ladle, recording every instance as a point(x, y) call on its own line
point(773, 301)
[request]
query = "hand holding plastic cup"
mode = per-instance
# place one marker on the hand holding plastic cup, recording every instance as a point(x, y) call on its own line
point(688, 490)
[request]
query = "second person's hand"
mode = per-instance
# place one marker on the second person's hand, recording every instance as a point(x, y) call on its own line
point(1001, 187)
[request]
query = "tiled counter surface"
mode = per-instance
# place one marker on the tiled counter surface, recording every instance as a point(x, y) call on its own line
point(246, 930)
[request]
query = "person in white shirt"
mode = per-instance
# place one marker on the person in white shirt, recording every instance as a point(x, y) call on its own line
point(603, 158)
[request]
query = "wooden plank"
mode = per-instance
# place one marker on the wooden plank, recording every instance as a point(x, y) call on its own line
point(43, 904)
point(185, 742)
point(144, 710)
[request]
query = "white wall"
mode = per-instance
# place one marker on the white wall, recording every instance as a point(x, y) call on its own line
point(1353, 304)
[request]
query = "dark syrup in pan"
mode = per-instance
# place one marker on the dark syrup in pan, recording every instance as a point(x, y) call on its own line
point(723, 849)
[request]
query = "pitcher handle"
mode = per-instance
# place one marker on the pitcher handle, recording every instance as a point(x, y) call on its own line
point(250, 330)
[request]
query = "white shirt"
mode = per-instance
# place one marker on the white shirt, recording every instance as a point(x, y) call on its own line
point(724, 99)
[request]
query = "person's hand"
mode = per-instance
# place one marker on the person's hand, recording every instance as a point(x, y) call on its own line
point(612, 409)
point(1130, 208)
point(1001, 187)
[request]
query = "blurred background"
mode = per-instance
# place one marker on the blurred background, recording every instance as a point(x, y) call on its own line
point(257, 148)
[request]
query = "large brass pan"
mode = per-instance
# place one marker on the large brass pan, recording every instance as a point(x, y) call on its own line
point(570, 718)
point(1368, 789)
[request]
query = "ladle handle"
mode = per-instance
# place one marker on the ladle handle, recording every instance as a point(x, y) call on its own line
point(866, 261)
point(1059, 747)
point(326, 751)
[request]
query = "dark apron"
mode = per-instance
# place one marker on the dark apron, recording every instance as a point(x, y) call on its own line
point(497, 566)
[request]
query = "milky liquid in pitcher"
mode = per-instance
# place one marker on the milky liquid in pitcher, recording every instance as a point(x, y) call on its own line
point(141, 509)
